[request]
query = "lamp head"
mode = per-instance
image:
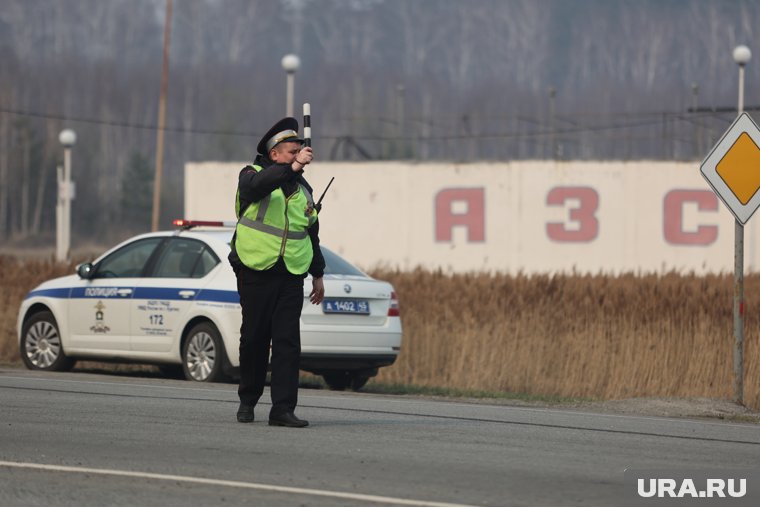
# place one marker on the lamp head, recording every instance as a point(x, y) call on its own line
point(67, 138)
point(291, 63)
point(742, 55)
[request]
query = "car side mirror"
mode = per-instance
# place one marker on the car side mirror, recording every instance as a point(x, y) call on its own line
point(85, 270)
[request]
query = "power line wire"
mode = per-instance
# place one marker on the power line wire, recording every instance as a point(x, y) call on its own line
point(654, 119)
point(144, 126)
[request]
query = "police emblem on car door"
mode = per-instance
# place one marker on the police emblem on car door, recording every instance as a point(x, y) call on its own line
point(109, 292)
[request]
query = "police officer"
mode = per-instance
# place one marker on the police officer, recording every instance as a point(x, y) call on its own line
point(276, 243)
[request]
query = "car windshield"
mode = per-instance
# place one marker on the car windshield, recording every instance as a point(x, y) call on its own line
point(336, 265)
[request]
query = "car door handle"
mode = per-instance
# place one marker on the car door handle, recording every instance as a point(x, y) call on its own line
point(124, 292)
point(186, 294)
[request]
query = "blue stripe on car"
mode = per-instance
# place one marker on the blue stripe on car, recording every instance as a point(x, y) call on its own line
point(161, 293)
point(49, 293)
point(216, 296)
point(219, 296)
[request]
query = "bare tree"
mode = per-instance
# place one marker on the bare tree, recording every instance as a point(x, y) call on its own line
point(4, 182)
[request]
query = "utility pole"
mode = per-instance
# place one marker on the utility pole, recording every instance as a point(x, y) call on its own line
point(161, 119)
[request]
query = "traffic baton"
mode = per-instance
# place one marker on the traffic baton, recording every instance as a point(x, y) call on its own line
point(307, 124)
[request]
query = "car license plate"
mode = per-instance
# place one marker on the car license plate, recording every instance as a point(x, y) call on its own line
point(354, 306)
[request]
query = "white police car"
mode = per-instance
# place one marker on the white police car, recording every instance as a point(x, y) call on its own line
point(170, 298)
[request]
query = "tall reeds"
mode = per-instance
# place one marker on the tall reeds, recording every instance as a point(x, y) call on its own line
point(574, 335)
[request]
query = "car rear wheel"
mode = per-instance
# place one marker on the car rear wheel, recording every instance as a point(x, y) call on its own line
point(41, 347)
point(336, 380)
point(358, 381)
point(340, 380)
point(203, 354)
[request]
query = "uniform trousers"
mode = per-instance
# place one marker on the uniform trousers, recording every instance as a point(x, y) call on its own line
point(271, 305)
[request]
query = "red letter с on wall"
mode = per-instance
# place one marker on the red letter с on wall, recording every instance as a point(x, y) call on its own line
point(473, 219)
point(673, 217)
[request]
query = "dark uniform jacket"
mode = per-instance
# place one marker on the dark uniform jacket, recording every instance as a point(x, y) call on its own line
point(254, 186)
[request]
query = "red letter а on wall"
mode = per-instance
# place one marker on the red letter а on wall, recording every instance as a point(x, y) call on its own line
point(473, 218)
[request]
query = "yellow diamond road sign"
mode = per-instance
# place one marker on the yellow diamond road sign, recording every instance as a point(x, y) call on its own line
point(733, 168)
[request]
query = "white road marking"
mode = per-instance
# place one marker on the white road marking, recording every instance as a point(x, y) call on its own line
point(230, 484)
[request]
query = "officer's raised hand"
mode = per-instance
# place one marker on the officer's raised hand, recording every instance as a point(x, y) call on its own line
point(302, 159)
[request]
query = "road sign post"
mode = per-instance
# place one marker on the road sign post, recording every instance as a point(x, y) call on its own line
point(739, 313)
point(733, 171)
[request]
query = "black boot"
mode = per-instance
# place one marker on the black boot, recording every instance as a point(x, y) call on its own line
point(287, 419)
point(245, 413)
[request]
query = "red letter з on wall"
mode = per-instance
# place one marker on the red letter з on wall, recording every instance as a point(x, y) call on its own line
point(448, 215)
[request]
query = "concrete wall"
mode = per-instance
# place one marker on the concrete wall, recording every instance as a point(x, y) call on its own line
point(532, 216)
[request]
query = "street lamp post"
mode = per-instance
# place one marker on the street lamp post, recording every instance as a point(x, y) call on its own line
point(694, 105)
point(65, 195)
point(290, 64)
point(399, 150)
point(552, 138)
point(742, 56)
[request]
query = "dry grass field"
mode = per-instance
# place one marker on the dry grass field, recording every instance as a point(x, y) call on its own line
point(572, 335)
point(568, 335)
point(18, 276)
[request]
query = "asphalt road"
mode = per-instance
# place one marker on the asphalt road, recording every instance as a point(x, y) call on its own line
point(82, 439)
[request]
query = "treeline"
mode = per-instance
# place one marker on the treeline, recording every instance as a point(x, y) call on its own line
point(387, 79)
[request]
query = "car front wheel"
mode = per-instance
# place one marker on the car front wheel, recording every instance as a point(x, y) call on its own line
point(203, 354)
point(41, 347)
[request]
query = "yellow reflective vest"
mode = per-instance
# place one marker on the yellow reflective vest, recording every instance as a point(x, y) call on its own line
point(276, 227)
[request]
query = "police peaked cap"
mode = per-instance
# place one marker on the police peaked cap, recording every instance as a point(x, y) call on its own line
point(285, 130)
